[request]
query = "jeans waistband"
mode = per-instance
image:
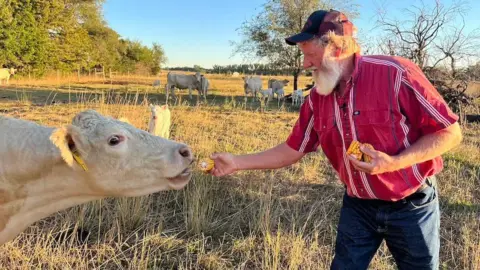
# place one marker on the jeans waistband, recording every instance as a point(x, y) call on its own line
point(430, 181)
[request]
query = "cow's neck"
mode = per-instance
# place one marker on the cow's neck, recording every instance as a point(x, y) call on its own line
point(60, 189)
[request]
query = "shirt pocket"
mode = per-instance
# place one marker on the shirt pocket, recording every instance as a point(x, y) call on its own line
point(374, 127)
point(327, 131)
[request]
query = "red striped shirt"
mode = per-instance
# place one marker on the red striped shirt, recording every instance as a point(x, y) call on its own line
point(390, 104)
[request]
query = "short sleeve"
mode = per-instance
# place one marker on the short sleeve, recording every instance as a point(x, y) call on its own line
point(421, 103)
point(303, 137)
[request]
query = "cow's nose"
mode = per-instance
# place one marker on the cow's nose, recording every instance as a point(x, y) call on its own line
point(185, 152)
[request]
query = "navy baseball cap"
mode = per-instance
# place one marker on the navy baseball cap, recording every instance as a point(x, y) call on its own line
point(319, 23)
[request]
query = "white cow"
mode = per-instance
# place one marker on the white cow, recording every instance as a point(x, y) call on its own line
point(276, 85)
point(160, 121)
point(252, 85)
point(280, 95)
point(44, 170)
point(5, 74)
point(297, 97)
point(266, 93)
point(182, 81)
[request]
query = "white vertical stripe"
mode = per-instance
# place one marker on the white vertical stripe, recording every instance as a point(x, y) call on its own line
point(363, 176)
point(306, 139)
point(345, 159)
point(405, 128)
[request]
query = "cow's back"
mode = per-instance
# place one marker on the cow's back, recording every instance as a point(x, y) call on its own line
point(180, 81)
point(254, 83)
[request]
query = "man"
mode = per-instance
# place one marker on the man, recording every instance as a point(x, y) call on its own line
point(384, 101)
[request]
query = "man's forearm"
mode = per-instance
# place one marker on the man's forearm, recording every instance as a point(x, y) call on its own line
point(430, 146)
point(277, 157)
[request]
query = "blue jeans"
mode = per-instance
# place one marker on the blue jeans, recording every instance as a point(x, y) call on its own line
point(410, 227)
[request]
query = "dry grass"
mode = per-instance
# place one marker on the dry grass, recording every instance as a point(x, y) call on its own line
point(282, 219)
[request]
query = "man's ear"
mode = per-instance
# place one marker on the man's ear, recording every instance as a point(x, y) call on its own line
point(67, 139)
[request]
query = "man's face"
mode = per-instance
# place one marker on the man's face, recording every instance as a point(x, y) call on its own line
point(326, 68)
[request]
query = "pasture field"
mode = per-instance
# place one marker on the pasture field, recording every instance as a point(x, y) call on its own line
point(273, 219)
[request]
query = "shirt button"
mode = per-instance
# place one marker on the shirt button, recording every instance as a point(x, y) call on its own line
point(355, 172)
point(324, 126)
point(361, 190)
point(348, 134)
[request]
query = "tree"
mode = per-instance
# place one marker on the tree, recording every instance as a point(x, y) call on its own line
point(429, 35)
point(263, 37)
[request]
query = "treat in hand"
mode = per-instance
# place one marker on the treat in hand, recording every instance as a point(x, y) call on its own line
point(354, 149)
point(206, 165)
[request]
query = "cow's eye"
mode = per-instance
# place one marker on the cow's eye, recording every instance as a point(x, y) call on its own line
point(114, 140)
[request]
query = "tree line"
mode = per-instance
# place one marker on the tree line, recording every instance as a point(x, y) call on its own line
point(69, 35)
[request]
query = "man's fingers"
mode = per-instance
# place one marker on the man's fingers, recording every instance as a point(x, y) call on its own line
point(367, 150)
point(360, 165)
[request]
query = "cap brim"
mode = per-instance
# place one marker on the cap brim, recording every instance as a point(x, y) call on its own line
point(293, 40)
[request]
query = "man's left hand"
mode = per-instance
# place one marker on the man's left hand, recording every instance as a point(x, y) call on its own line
point(380, 162)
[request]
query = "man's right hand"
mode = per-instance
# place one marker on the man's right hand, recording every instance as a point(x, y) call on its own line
point(224, 164)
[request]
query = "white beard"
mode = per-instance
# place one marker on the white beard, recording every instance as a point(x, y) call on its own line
point(327, 77)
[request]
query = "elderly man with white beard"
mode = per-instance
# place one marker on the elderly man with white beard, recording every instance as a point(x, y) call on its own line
point(384, 101)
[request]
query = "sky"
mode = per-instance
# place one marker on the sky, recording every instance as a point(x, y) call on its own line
point(196, 32)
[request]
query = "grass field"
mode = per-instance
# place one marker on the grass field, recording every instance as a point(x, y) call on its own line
point(273, 219)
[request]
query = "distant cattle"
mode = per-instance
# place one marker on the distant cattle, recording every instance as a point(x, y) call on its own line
point(277, 85)
point(266, 94)
point(156, 83)
point(252, 85)
point(297, 97)
point(182, 81)
point(5, 74)
point(203, 86)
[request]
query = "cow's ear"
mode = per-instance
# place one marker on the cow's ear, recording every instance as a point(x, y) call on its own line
point(67, 140)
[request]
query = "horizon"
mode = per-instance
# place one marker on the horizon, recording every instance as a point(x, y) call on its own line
point(209, 27)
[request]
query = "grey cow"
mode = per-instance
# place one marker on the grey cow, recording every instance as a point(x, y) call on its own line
point(277, 86)
point(252, 85)
point(203, 86)
point(182, 81)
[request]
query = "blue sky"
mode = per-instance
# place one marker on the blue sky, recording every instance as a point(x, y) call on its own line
point(198, 32)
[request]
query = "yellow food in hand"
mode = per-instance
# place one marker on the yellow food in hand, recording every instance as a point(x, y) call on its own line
point(206, 165)
point(354, 149)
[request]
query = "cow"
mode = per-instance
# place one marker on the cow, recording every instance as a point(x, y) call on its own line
point(5, 74)
point(156, 83)
point(44, 170)
point(203, 86)
point(252, 85)
point(276, 85)
point(266, 93)
point(297, 97)
point(182, 81)
point(160, 121)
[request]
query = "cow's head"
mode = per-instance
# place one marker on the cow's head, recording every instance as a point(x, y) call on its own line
point(12, 71)
point(157, 110)
point(121, 160)
point(285, 82)
point(198, 77)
